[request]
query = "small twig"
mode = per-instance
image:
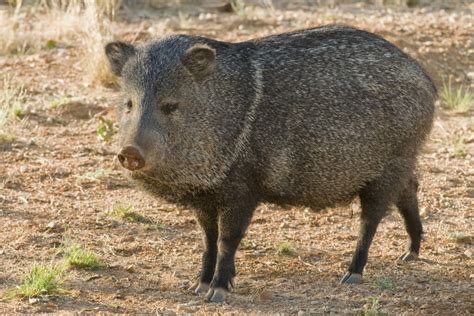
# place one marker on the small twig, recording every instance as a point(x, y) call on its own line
point(307, 263)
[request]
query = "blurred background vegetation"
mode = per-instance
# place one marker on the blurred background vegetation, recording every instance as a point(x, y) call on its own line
point(28, 26)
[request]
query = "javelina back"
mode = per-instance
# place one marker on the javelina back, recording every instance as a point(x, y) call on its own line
point(313, 117)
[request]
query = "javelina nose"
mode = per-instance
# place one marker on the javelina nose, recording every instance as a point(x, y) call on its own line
point(131, 158)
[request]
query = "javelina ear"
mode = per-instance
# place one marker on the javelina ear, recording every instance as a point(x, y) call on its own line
point(199, 60)
point(118, 54)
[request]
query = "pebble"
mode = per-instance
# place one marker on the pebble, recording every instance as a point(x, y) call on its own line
point(189, 306)
point(265, 296)
point(163, 311)
point(54, 226)
point(127, 239)
point(470, 193)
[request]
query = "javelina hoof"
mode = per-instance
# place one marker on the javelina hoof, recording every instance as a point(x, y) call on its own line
point(351, 278)
point(408, 256)
point(199, 288)
point(216, 295)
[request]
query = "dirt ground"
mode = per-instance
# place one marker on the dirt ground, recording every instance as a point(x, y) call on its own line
point(58, 181)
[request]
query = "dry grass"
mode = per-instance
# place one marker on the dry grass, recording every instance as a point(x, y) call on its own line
point(98, 33)
point(84, 24)
point(27, 30)
point(12, 97)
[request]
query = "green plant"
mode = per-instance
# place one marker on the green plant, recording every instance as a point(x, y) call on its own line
point(50, 44)
point(41, 280)
point(459, 237)
point(458, 148)
point(78, 257)
point(18, 111)
point(62, 100)
point(105, 129)
point(412, 3)
point(7, 138)
point(372, 308)
point(459, 99)
point(285, 248)
point(238, 6)
point(93, 175)
point(383, 283)
point(154, 226)
point(127, 213)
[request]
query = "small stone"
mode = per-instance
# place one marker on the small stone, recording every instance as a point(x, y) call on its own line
point(55, 227)
point(114, 265)
point(23, 168)
point(94, 277)
point(127, 239)
point(189, 306)
point(468, 253)
point(34, 300)
point(163, 311)
point(265, 296)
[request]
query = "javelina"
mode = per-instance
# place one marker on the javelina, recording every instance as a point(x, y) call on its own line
point(310, 118)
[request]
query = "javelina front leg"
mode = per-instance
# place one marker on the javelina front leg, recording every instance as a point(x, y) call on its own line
point(373, 209)
point(232, 225)
point(208, 222)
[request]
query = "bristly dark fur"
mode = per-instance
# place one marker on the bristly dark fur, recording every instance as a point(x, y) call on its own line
point(313, 117)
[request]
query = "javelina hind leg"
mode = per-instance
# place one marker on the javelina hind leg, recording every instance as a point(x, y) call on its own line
point(208, 222)
point(232, 225)
point(407, 204)
point(374, 204)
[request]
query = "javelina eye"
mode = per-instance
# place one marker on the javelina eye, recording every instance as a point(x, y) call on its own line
point(169, 107)
point(129, 105)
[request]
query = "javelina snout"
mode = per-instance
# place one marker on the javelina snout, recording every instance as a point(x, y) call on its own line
point(309, 118)
point(131, 158)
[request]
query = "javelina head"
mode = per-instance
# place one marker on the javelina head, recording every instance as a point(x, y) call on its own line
point(179, 125)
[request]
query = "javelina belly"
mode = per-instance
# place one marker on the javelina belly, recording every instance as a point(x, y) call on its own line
point(314, 118)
